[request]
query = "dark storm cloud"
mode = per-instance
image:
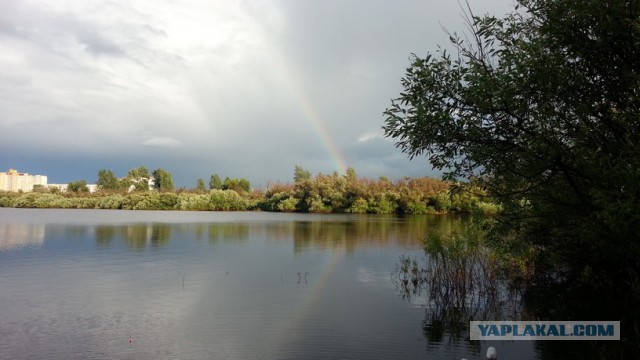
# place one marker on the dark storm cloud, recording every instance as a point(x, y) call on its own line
point(242, 89)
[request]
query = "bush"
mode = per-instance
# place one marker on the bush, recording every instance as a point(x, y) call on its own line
point(7, 199)
point(318, 206)
point(442, 202)
point(487, 208)
point(289, 204)
point(111, 202)
point(416, 208)
point(194, 202)
point(382, 204)
point(226, 200)
point(360, 206)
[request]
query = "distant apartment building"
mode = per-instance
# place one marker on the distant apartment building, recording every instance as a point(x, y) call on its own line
point(17, 181)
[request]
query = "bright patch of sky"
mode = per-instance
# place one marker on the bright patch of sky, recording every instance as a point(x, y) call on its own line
point(238, 88)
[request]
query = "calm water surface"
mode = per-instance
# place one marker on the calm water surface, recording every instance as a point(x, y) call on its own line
point(95, 284)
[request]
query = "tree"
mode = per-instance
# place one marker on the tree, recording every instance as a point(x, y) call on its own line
point(300, 174)
point(215, 182)
point(237, 185)
point(78, 186)
point(107, 180)
point(138, 178)
point(541, 108)
point(200, 185)
point(244, 184)
point(351, 174)
point(163, 180)
point(141, 172)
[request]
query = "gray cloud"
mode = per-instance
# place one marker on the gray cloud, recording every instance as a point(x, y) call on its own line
point(242, 89)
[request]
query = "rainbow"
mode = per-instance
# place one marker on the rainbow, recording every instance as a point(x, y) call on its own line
point(319, 127)
point(311, 298)
point(318, 287)
point(312, 116)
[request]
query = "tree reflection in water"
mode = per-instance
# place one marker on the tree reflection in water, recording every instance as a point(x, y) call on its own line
point(135, 236)
point(463, 281)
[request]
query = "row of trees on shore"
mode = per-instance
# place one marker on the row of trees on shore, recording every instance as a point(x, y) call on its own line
point(140, 179)
point(323, 193)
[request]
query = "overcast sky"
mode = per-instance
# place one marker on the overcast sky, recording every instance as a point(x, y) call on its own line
point(238, 88)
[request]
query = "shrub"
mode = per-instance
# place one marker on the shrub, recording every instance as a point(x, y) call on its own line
point(289, 204)
point(195, 202)
point(360, 206)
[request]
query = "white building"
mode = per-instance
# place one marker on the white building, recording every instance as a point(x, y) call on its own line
point(17, 181)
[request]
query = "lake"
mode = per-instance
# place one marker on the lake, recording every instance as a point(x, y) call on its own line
point(96, 284)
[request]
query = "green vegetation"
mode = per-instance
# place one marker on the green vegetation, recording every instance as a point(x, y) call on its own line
point(78, 186)
point(215, 182)
point(163, 180)
point(200, 185)
point(227, 200)
point(136, 179)
point(301, 174)
point(107, 180)
point(323, 194)
point(239, 185)
point(541, 108)
point(350, 194)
